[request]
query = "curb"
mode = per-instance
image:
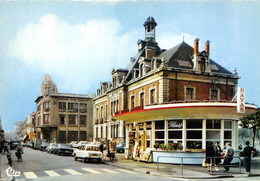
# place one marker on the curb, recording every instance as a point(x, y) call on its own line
point(140, 170)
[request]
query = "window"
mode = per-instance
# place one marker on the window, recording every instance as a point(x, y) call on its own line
point(227, 134)
point(194, 124)
point(214, 94)
point(73, 107)
point(83, 119)
point(213, 124)
point(83, 135)
point(101, 111)
point(112, 108)
point(142, 99)
point(72, 136)
point(189, 93)
point(132, 102)
point(62, 119)
point(175, 135)
point(228, 125)
point(152, 96)
point(72, 120)
point(159, 131)
point(39, 107)
point(83, 107)
point(46, 119)
point(101, 132)
point(97, 113)
point(39, 120)
point(46, 106)
point(96, 132)
point(194, 134)
point(141, 70)
point(106, 111)
point(62, 105)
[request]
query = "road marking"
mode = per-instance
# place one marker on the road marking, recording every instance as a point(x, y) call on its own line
point(30, 175)
point(127, 171)
point(110, 171)
point(72, 172)
point(52, 173)
point(91, 171)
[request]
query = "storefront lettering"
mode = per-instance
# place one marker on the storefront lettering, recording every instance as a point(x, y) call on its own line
point(175, 124)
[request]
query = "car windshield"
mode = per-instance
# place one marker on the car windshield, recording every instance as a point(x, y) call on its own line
point(92, 148)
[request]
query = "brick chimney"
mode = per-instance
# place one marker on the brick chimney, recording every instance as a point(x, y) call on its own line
point(196, 46)
point(207, 46)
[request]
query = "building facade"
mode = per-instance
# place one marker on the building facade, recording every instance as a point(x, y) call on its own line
point(62, 117)
point(178, 95)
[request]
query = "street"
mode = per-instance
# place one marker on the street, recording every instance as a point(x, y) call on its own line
point(38, 165)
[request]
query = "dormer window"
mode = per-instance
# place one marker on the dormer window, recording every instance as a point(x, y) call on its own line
point(141, 70)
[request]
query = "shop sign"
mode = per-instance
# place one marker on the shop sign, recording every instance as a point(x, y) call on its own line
point(241, 100)
point(175, 124)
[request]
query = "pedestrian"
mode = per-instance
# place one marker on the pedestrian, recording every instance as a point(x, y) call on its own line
point(228, 157)
point(210, 153)
point(247, 156)
point(217, 150)
point(101, 147)
point(19, 151)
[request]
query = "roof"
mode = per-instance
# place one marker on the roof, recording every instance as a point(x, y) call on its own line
point(180, 56)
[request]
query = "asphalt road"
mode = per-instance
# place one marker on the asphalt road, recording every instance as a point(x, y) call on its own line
point(38, 165)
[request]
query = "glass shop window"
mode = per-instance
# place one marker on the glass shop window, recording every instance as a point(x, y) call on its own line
point(228, 125)
point(194, 144)
point(227, 134)
point(194, 124)
point(159, 135)
point(175, 135)
point(159, 124)
point(175, 124)
point(213, 124)
point(194, 134)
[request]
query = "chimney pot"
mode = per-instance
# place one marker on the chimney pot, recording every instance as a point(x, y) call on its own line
point(207, 46)
point(196, 46)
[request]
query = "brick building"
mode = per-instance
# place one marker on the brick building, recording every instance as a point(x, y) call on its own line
point(178, 95)
point(62, 117)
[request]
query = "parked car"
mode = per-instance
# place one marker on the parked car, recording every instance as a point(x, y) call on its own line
point(63, 149)
point(44, 146)
point(88, 152)
point(23, 144)
point(51, 147)
point(73, 143)
point(13, 144)
point(120, 148)
point(29, 144)
point(80, 144)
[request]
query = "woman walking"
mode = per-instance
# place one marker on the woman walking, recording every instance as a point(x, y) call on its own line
point(209, 154)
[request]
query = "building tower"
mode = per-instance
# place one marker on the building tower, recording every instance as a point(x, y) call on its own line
point(150, 25)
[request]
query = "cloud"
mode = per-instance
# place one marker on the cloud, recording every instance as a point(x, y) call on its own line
point(79, 55)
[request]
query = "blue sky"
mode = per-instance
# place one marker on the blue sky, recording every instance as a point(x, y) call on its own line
point(78, 43)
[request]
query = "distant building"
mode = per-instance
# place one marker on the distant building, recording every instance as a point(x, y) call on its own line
point(1, 131)
point(29, 132)
point(178, 95)
point(62, 117)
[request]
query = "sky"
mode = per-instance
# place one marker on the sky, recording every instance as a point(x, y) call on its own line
point(79, 42)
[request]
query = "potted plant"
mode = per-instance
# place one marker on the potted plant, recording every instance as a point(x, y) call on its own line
point(179, 147)
point(156, 146)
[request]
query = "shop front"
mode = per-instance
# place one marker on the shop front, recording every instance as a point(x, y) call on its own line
point(180, 130)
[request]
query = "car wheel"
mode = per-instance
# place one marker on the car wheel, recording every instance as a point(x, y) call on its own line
point(75, 158)
point(59, 153)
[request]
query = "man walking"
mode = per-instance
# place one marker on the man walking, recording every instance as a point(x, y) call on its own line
point(217, 150)
point(228, 157)
point(247, 156)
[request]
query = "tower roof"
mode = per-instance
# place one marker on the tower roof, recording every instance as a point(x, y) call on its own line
point(150, 20)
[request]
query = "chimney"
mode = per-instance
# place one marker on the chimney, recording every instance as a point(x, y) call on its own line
point(196, 46)
point(207, 46)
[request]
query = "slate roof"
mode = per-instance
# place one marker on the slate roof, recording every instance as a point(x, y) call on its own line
point(180, 56)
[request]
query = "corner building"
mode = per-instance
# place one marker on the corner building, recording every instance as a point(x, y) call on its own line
point(61, 117)
point(178, 95)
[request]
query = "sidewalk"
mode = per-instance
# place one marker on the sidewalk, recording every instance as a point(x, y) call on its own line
point(4, 165)
point(189, 171)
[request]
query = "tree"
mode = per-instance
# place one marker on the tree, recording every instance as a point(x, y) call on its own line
point(251, 121)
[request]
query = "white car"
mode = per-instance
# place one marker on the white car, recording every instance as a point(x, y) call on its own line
point(88, 152)
point(80, 144)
